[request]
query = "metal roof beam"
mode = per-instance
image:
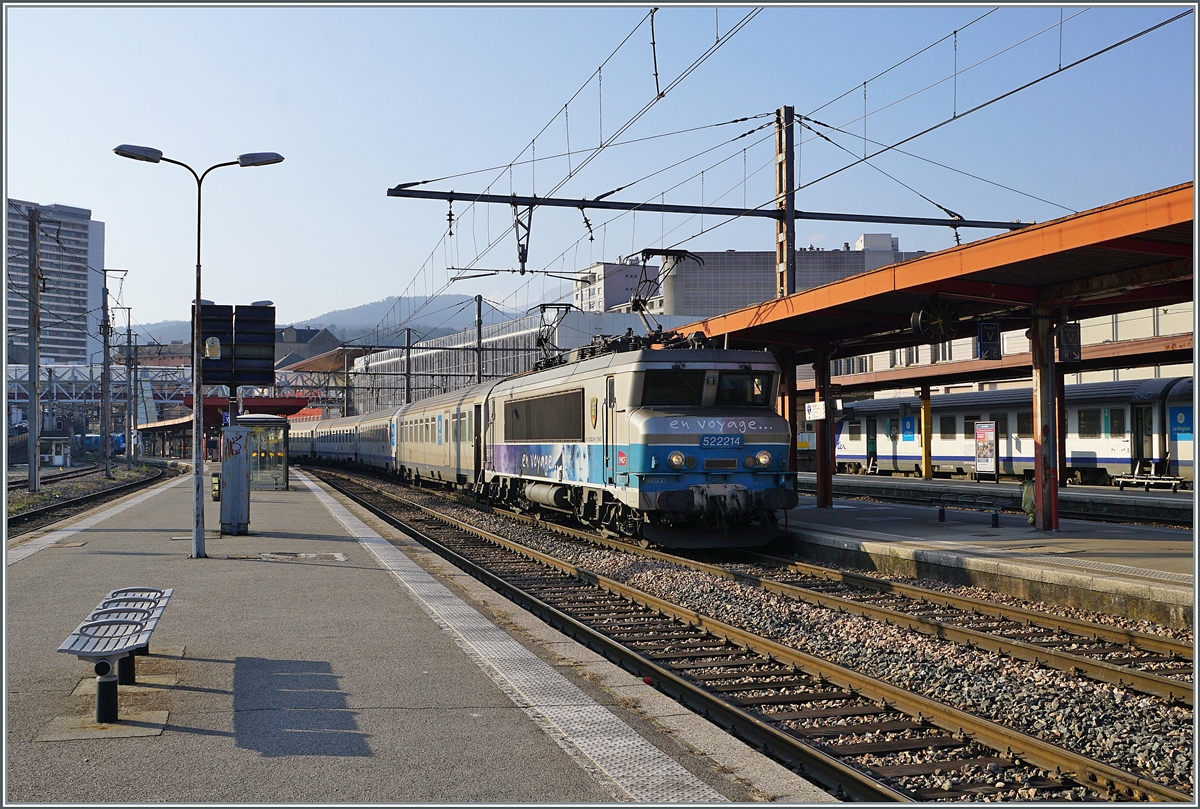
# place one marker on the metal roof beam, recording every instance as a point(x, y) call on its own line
point(1117, 283)
point(656, 207)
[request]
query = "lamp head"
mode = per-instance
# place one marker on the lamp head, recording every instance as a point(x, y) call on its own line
point(259, 159)
point(144, 153)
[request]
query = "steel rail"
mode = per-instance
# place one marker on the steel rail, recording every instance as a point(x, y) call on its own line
point(1097, 775)
point(1144, 682)
point(42, 511)
point(1096, 669)
point(1144, 640)
point(20, 483)
point(1123, 676)
point(807, 760)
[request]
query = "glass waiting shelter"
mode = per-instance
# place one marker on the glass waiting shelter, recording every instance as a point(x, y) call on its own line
point(268, 450)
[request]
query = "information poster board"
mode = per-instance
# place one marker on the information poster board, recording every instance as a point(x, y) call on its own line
point(985, 448)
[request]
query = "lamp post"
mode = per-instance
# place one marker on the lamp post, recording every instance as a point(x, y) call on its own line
point(149, 155)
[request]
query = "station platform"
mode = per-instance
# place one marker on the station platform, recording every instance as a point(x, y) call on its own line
point(327, 658)
point(1139, 571)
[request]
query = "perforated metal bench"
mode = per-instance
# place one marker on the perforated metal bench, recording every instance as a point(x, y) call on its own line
point(113, 633)
point(969, 502)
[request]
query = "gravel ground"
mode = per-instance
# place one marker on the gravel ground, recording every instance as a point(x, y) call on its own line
point(1127, 730)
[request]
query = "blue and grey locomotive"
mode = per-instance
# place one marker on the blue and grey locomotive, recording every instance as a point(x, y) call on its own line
point(679, 447)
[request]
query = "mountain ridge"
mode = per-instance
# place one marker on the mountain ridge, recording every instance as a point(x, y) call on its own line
point(440, 315)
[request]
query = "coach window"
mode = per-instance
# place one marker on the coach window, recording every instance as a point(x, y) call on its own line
point(1116, 423)
point(949, 425)
point(1089, 423)
point(1001, 420)
point(1025, 424)
point(854, 430)
point(969, 426)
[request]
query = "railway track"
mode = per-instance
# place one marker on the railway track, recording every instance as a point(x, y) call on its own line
point(34, 518)
point(21, 483)
point(860, 737)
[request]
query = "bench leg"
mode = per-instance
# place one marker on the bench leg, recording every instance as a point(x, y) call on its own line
point(106, 699)
point(995, 519)
point(126, 670)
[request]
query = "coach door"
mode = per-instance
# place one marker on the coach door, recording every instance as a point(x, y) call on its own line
point(609, 437)
point(872, 443)
point(1142, 446)
point(477, 441)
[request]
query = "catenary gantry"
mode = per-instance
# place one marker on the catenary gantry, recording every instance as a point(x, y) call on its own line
point(1133, 254)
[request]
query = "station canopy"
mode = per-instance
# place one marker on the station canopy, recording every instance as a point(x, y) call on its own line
point(1129, 255)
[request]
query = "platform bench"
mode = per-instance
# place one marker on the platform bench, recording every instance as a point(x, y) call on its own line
point(971, 503)
point(117, 629)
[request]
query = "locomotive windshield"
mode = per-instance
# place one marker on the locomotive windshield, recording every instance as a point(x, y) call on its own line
point(672, 387)
point(678, 387)
point(746, 388)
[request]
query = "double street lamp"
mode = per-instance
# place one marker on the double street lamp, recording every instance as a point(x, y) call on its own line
point(149, 155)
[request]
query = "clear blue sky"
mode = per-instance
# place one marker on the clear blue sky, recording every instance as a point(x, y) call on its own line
point(361, 99)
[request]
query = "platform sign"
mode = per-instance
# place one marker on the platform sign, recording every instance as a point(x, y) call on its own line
point(814, 411)
point(1070, 348)
point(989, 340)
point(985, 447)
point(254, 345)
point(216, 321)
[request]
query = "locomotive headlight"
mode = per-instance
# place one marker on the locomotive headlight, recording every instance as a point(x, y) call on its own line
point(676, 460)
point(763, 458)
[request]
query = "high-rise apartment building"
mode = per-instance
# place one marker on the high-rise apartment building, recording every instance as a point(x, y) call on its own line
point(71, 255)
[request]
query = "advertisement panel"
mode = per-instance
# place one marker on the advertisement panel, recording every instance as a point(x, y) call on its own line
point(985, 447)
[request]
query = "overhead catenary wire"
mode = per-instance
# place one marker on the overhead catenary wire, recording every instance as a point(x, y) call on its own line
point(948, 168)
point(683, 75)
point(983, 105)
point(1003, 96)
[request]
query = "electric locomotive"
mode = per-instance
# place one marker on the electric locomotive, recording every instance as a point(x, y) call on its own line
point(674, 446)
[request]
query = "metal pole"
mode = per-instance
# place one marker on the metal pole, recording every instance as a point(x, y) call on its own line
point(197, 401)
point(408, 366)
point(128, 388)
point(136, 392)
point(785, 202)
point(35, 326)
point(478, 339)
point(106, 389)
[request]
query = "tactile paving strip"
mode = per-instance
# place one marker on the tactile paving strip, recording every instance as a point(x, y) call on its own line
point(637, 768)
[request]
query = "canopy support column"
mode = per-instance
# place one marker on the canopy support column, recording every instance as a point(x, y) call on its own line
point(824, 428)
point(926, 433)
point(1045, 420)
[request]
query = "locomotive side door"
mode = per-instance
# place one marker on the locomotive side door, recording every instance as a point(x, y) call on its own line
point(609, 432)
